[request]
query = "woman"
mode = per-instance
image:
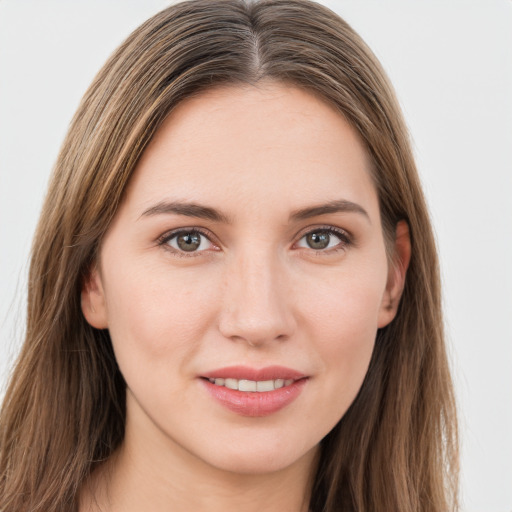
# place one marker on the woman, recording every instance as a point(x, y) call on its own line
point(234, 296)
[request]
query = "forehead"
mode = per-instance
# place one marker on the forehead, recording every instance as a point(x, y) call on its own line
point(237, 143)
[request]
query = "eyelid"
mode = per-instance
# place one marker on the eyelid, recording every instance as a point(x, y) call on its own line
point(346, 238)
point(163, 240)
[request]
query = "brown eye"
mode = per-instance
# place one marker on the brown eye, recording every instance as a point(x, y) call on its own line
point(188, 241)
point(318, 240)
point(322, 239)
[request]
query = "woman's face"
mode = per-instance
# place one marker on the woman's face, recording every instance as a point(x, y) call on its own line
point(248, 253)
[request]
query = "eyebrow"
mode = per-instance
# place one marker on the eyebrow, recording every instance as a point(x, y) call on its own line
point(205, 212)
point(188, 209)
point(336, 206)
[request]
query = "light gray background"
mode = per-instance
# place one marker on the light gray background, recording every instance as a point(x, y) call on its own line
point(451, 64)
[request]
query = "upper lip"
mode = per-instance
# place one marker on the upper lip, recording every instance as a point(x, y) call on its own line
point(256, 374)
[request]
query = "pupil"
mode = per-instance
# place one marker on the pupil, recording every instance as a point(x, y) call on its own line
point(189, 242)
point(318, 240)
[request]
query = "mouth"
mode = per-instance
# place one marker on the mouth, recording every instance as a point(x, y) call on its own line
point(254, 392)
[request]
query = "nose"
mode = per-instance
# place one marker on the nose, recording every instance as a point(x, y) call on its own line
point(256, 301)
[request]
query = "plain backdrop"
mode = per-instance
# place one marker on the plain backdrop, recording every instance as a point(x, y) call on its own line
point(451, 64)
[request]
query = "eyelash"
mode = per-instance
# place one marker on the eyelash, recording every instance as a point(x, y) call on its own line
point(345, 238)
point(167, 237)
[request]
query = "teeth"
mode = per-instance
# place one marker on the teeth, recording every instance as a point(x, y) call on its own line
point(252, 386)
point(246, 385)
point(231, 383)
point(265, 385)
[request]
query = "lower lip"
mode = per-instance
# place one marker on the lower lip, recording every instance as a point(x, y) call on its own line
point(255, 404)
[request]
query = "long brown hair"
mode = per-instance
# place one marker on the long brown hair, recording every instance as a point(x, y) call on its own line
point(396, 447)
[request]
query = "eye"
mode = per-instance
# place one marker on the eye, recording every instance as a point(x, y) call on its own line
point(187, 241)
point(323, 239)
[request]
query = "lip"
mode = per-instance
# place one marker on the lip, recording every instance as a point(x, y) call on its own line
point(248, 373)
point(255, 404)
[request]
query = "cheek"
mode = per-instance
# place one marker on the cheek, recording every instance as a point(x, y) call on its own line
point(155, 311)
point(346, 331)
point(343, 322)
point(346, 306)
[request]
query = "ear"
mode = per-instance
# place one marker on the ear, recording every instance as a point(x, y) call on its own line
point(94, 306)
point(396, 274)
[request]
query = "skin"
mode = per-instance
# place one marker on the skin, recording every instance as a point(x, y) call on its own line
point(253, 293)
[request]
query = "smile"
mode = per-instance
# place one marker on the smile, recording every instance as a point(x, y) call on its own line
point(252, 386)
point(254, 392)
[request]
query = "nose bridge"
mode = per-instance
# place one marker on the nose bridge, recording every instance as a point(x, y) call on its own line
point(256, 304)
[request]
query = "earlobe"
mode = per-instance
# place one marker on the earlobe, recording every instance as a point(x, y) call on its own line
point(396, 275)
point(93, 300)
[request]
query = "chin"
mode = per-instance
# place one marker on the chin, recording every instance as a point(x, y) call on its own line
point(260, 461)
